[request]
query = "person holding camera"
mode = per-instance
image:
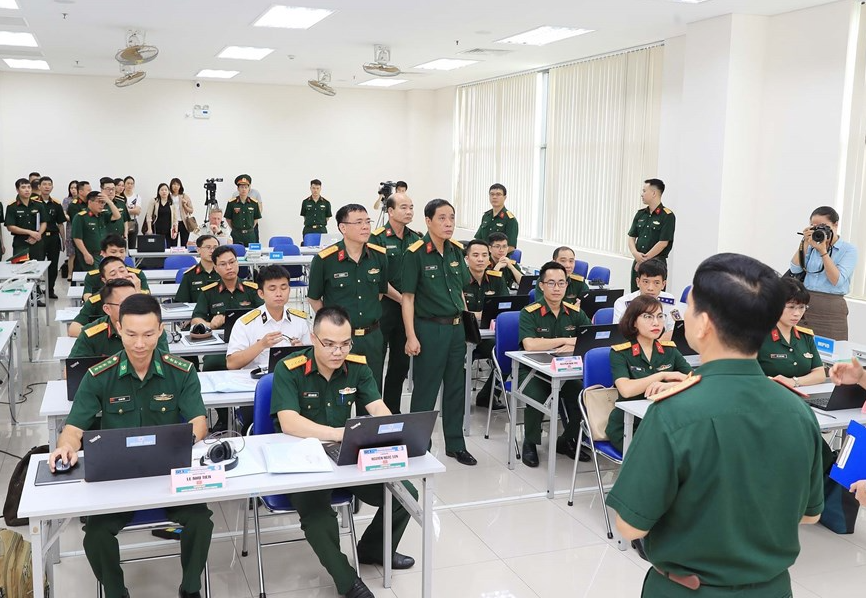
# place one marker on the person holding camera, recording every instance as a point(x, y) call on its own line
point(826, 264)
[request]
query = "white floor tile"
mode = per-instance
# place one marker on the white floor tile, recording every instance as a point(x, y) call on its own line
point(481, 580)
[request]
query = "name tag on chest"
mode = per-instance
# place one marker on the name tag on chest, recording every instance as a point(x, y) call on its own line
point(778, 356)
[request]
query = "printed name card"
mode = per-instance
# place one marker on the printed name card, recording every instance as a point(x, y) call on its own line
point(825, 345)
point(383, 457)
point(276, 255)
point(192, 479)
point(568, 363)
point(254, 247)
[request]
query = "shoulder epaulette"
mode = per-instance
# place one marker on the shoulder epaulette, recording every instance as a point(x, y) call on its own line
point(103, 366)
point(378, 248)
point(356, 358)
point(687, 383)
point(668, 344)
point(177, 362)
point(93, 272)
point(252, 285)
point(298, 312)
point(190, 269)
point(576, 277)
point(509, 214)
point(667, 211)
point(94, 330)
point(250, 316)
point(378, 231)
point(209, 286)
point(533, 307)
point(95, 298)
point(621, 347)
point(82, 212)
point(808, 331)
point(328, 251)
point(414, 246)
point(133, 270)
point(295, 361)
point(251, 198)
point(494, 273)
point(571, 306)
point(457, 243)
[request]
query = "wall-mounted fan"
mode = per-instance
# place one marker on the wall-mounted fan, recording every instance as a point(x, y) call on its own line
point(381, 65)
point(130, 76)
point(320, 84)
point(136, 51)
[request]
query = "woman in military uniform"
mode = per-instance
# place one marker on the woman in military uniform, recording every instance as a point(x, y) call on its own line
point(644, 365)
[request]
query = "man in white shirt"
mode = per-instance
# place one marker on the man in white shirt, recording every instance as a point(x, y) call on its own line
point(271, 325)
point(651, 278)
point(215, 226)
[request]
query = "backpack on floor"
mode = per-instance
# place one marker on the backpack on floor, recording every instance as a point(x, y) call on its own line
point(16, 487)
point(16, 566)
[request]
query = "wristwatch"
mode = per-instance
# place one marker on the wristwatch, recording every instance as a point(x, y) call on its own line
point(796, 381)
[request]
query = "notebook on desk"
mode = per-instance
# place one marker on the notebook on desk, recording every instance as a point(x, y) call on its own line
point(588, 337)
point(412, 429)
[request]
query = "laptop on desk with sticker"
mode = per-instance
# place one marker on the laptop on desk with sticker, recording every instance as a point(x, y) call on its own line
point(588, 337)
point(412, 429)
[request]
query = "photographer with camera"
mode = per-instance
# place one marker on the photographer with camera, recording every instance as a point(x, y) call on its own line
point(825, 264)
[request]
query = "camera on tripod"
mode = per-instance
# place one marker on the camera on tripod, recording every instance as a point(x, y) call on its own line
point(386, 188)
point(210, 191)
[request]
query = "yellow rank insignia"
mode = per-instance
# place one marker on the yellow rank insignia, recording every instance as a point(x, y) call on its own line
point(576, 277)
point(378, 231)
point(456, 243)
point(808, 331)
point(571, 306)
point(531, 308)
point(252, 285)
point(93, 272)
point(378, 248)
point(356, 358)
point(687, 383)
point(209, 286)
point(509, 214)
point(249, 317)
point(133, 270)
point(621, 347)
point(414, 246)
point(494, 273)
point(328, 251)
point(668, 344)
point(295, 362)
point(94, 330)
point(95, 298)
point(667, 211)
point(299, 313)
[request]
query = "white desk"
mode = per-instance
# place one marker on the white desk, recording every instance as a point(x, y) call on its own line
point(311, 250)
point(152, 276)
point(68, 314)
point(23, 300)
point(160, 291)
point(50, 508)
point(9, 340)
point(286, 260)
point(137, 255)
point(467, 407)
point(63, 347)
point(30, 270)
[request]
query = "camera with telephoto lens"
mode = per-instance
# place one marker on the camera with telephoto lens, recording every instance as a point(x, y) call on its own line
point(210, 191)
point(821, 232)
point(386, 188)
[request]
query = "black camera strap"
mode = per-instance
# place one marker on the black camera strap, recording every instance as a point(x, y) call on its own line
point(829, 251)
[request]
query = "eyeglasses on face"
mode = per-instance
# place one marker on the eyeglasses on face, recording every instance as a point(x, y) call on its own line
point(555, 284)
point(333, 347)
point(653, 317)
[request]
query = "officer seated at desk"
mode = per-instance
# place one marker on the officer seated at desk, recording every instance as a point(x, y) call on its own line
point(110, 268)
point(139, 386)
point(652, 276)
point(313, 394)
point(110, 246)
point(577, 286)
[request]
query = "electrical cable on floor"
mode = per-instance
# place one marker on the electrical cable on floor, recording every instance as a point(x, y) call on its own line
point(10, 454)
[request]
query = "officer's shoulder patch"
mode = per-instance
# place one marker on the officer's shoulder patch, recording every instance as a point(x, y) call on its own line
point(133, 270)
point(207, 287)
point(298, 312)
point(250, 316)
point(82, 212)
point(251, 285)
point(177, 362)
point(103, 366)
point(190, 269)
point(378, 231)
point(576, 277)
point(94, 330)
point(295, 362)
point(808, 331)
point(458, 244)
point(356, 358)
point(667, 211)
point(328, 251)
point(571, 306)
point(532, 308)
point(414, 246)
point(93, 272)
point(621, 347)
point(95, 298)
point(378, 248)
point(668, 344)
point(252, 199)
point(687, 383)
point(497, 273)
point(509, 214)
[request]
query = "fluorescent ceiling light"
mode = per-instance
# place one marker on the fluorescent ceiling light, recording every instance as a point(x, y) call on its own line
point(10, 4)
point(24, 63)
point(689, 1)
point(292, 17)
point(244, 52)
point(216, 74)
point(543, 36)
point(383, 82)
point(445, 64)
point(18, 38)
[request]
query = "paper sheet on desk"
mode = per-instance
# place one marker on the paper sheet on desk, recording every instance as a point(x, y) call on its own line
point(250, 459)
point(215, 340)
point(239, 381)
point(66, 314)
point(304, 456)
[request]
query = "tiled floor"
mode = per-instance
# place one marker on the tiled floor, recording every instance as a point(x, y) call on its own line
point(496, 535)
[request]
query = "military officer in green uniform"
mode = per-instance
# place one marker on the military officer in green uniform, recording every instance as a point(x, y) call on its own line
point(202, 274)
point(89, 227)
point(395, 237)
point(652, 230)
point(55, 220)
point(115, 227)
point(111, 268)
point(243, 213)
point(712, 437)
point(110, 246)
point(315, 210)
point(313, 396)
point(354, 275)
point(645, 364)
point(27, 220)
point(498, 219)
point(101, 337)
point(577, 286)
point(139, 386)
point(499, 260)
point(550, 324)
point(434, 274)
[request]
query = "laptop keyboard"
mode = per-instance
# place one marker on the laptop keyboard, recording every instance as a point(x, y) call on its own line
point(820, 403)
point(333, 451)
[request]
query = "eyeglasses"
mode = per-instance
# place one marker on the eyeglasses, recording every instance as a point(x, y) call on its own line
point(114, 304)
point(367, 222)
point(555, 284)
point(227, 264)
point(335, 347)
point(497, 194)
point(796, 306)
point(653, 317)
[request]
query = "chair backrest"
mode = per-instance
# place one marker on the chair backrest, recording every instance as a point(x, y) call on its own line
point(599, 273)
point(291, 249)
point(596, 367)
point(684, 297)
point(283, 247)
point(179, 276)
point(532, 295)
point(128, 261)
point(581, 268)
point(507, 338)
point(312, 239)
point(262, 421)
point(274, 241)
point(239, 249)
point(179, 262)
point(603, 316)
point(516, 255)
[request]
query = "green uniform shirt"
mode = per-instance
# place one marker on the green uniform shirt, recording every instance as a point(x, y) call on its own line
point(55, 215)
point(721, 473)
point(92, 309)
point(491, 285)
point(116, 227)
point(192, 282)
point(91, 229)
point(316, 214)
point(215, 299)
point(169, 394)
point(507, 275)
point(30, 216)
point(538, 321)
point(74, 208)
point(648, 229)
point(336, 280)
point(395, 248)
point(93, 281)
point(503, 222)
point(299, 387)
point(241, 215)
point(576, 288)
point(101, 338)
point(796, 357)
point(436, 280)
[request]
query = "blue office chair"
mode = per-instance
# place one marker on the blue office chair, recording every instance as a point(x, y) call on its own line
point(129, 261)
point(507, 339)
point(581, 268)
point(297, 274)
point(279, 504)
point(684, 297)
point(516, 255)
point(239, 249)
point(532, 295)
point(179, 262)
point(598, 274)
point(596, 373)
point(179, 276)
point(603, 316)
point(274, 241)
point(312, 239)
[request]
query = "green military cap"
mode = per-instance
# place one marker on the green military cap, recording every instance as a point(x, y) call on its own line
point(243, 179)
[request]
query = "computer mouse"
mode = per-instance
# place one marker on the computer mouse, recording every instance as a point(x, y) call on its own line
point(61, 467)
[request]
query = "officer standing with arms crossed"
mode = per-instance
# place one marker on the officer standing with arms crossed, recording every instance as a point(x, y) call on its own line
point(56, 218)
point(652, 230)
point(726, 464)
point(243, 213)
point(395, 237)
point(315, 210)
point(498, 219)
point(434, 274)
point(139, 386)
point(26, 220)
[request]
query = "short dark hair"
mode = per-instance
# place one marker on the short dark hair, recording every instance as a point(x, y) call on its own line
point(316, 182)
point(118, 283)
point(652, 268)
point(347, 209)
point(180, 185)
point(496, 237)
point(271, 272)
point(106, 261)
point(105, 181)
point(498, 187)
point(742, 297)
point(551, 266)
point(403, 184)
point(475, 242)
point(140, 305)
point(202, 238)
point(112, 241)
point(45, 178)
point(221, 250)
point(642, 304)
point(20, 182)
point(831, 214)
point(33, 174)
point(82, 183)
point(435, 204)
point(795, 291)
point(657, 183)
point(335, 314)
point(92, 195)
point(559, 250)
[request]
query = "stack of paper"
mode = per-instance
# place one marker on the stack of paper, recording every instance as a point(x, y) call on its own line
point(305, 456)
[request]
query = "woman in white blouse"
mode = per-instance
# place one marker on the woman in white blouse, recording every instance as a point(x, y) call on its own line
point(184, 208)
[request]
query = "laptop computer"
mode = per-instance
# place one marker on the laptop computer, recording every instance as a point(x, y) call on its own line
point(588, 337)
point(847, 396)
point(128, 453)
point(412, 429)
point(596, 299)
point(527, 283)
point(232, 316)
point(150, 243)
point(280, 353)
point(679, 337)
point(76, 368)
point(497, 304)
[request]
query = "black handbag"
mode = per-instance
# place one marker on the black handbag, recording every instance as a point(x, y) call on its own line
point(470, 327)
point(801, 276)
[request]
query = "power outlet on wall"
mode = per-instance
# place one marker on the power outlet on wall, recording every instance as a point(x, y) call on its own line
point(201, 111)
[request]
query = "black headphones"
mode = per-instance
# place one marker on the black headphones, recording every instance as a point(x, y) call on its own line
point(222, 451)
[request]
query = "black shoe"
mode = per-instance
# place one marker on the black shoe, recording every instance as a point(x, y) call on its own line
point(463, 457)
point(219, 426)
point(566, 446)
point(359, 590)
point(497, 404)
point(529, 454)
point(585, 456)
point(398, 561)
point(638, 545)
point(184, 594)
point(52, 295)
point(40, 303)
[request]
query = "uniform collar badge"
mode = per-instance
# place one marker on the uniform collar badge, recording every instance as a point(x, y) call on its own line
point(163, 397)
point(347, 391)
point(635, 350)
point(775, 335)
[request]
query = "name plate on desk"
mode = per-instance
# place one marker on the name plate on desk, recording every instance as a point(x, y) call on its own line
point(170, 250)
point(383, 457)
point(276, 255)
point(825, 345)
point(254, 247)
point(193, 479)
point(568, 363)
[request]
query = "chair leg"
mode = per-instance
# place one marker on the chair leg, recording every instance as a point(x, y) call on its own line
point(600, 488)
point(98, 590)
point(574, 470)
point(244, 508)
point(206, 580)
point(259, 550)
point(354, 537)
point(490, 403)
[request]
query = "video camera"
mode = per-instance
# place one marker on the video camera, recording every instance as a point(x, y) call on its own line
point(386, 188)
point(210, 191)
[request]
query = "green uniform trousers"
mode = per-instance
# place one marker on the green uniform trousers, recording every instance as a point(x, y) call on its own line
point(633, 272)
point(485, 351)
point(319, 229)
point(655, 585)
point(394, 338)
point(320, 527)
point(52, 252)
point(103, 552)
point(539, 389)
point(239, 238)
point(370, 346)
point(441, 361)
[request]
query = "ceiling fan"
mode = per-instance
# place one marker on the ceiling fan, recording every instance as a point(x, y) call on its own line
point(130, 76)
point(381, 65)
point(136, 51)
point(320, 83)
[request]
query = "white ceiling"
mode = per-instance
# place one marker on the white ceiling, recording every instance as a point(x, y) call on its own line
point(190, 33)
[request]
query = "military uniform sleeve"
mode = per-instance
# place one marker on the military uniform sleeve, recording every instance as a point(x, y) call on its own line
point(583, 319)
point(285, 390)
point(240, 339)
point(619, 365)
point(257, 212)
point(367, 390)
point(202, 307)
point(82, 347)
point(511, 230)
point(526, 328)
point(190, 402)
point(90, 283)
point(143, 279)
point(11, 218)
point(86, 405)
point(303, 209)
point(383, 274)
point(316, 281)
point(328, 209)
point(162, 343)
point(256, 300)
point(633, 232)
point(681, 365)
point(816, 476)
point(465, 276)
point(227, 216)
point(667, 230)
point(480, 231)
point(78, 228)
point(817, 362)
point(85, 313)
point(184, 290)
point(411, 265)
